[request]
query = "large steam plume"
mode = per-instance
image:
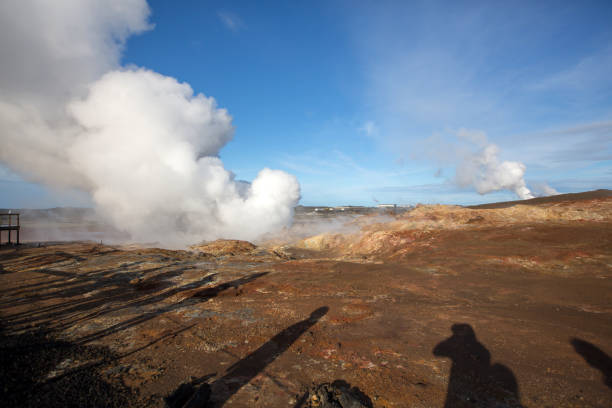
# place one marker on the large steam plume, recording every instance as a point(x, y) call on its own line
point(142, 144)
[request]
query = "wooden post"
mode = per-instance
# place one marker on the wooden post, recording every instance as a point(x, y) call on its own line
point(18, 228)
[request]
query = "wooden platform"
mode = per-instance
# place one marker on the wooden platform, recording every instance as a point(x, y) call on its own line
point(9, 222)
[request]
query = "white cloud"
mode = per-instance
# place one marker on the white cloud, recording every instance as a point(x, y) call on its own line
point(567, 147)
point(590, 73)
point(369, 128)
point(231, 21)
point(8, 175)
point(431, 67)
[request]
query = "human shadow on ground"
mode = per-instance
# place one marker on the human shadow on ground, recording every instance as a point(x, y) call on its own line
point(473, 380)
point(36, 371)
point(596, 358)
point(200, 394)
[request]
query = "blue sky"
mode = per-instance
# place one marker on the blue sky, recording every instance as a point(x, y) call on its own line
point(359, 100)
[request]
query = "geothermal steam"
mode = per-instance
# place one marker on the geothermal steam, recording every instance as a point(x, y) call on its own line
point(483, 170)
point(142, 144)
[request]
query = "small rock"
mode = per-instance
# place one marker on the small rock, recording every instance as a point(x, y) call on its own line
point(338, 394)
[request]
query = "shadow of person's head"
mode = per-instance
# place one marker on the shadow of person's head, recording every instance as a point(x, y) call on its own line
point(318, 314)
point(595, 357)
point(472, 376)
point(462, 345)
point(463, 330)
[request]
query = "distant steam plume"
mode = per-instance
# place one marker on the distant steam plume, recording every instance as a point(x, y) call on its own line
point(540, 189)
point(477, 163)
point(142, 144)
point(486, 172)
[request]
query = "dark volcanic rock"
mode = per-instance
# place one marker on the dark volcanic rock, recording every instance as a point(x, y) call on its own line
point(338, 394)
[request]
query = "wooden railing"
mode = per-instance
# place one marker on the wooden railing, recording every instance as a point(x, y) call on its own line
point(9, 222)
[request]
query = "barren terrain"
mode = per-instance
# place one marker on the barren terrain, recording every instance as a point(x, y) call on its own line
point(503, 305)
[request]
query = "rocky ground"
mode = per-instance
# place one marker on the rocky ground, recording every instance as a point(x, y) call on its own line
point(493, 306)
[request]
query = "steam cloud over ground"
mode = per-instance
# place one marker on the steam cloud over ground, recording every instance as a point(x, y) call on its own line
point(486, 172)
point(142, 144)
point(478, 165)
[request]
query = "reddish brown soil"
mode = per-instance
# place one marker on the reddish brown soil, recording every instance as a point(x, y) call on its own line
point(503, 315)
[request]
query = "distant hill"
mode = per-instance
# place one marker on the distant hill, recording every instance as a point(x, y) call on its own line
point(587, 195)
point(65, 214)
